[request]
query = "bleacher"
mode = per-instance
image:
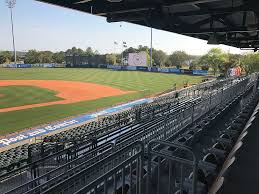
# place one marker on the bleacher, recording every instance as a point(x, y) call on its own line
point(179, 143)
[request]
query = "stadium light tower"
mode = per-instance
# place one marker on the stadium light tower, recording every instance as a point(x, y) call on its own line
point(11, 4)
point(151, 46)
point(124, 45)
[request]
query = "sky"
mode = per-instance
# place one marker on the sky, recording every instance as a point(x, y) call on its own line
point(42, 26)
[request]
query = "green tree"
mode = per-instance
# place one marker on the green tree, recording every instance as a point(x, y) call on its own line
point(32, 57)
point(59, 57)
point(89, 52)
point(46, 57)
point(214, 59)
point(75, 51)
point(177, 58)
point(129, 50)
point(143, 48)
point(110, 59)
point(194, 64)
point(249, 62)
point(5, 57)
point(159, 57)
point(232, 60)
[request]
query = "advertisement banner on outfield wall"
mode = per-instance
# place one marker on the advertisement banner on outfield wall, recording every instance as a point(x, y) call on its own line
point(153, 69)
point(109, 66)
point(142, 68)
point(11, 65)
point(23, 65)
point(116, 67)
point(199, 72)
point(124, 68)
point(131, 68)
point(186, 71)
point(103, 66)
point(174, 70)
point(163, 70)
point(48, 65)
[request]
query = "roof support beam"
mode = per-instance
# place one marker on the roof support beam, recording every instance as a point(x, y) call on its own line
point(127, 7)
point(242, 8)
point(217, 30)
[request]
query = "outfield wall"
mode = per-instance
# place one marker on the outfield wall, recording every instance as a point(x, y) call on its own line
point(144, 68)
point(42, 65)
point(114, 67)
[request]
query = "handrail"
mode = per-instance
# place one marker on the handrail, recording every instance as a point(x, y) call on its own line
point(193, 163)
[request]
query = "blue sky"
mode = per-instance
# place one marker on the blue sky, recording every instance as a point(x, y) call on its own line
point(46, 27)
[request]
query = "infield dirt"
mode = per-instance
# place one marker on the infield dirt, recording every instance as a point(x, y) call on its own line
point(69, 91)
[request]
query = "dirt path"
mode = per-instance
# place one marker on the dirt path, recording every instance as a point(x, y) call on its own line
point(70, 91)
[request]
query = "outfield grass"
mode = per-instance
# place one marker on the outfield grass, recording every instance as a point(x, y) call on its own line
point(12, 96)
point(144, 82)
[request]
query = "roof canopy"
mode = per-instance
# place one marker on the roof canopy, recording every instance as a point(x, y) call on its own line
point(229, 22)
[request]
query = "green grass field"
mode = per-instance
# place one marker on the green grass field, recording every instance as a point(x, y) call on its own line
point(144, 82)
point(12, 96)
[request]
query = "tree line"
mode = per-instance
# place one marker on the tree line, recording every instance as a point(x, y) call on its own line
point(215, 59)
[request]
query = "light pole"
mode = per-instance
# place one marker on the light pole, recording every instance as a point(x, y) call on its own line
point(124, 45)
point(11, 4)
point(115, 44)
point(151, 46)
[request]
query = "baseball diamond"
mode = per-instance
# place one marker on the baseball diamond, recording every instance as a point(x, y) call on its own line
point(69, 92)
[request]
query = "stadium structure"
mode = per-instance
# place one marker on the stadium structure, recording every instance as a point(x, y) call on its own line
point(202, 139)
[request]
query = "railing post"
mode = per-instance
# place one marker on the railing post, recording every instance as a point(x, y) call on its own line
point(192, 162)
point(193, 111)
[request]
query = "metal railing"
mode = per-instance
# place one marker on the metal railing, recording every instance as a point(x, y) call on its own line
point(158, 126)
point(169, 158)
point(108, 171)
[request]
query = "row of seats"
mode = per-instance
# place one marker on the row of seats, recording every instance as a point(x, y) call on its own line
point(22, 155)
point(230, 163)
point(192, 135)
point(60, 141)
point(211, 164)
point(110, 122)
point(13, 158)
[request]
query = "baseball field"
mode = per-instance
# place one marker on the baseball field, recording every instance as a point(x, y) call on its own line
point(36, 96)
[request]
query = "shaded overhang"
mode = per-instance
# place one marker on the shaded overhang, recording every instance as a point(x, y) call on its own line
point(230, 22)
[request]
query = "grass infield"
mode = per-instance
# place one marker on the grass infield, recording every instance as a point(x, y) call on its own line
point(24, 95)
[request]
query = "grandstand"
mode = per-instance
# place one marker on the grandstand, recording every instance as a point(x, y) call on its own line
point(185, 141)
point(148, 146)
